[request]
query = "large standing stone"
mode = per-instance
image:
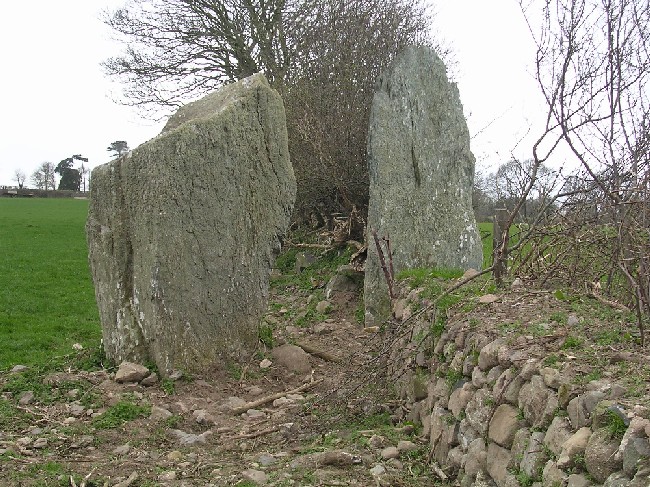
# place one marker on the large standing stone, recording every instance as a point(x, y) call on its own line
point(183, 231)
point(421, 175)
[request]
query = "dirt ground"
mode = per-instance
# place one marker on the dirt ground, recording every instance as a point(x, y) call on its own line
point(266, 424)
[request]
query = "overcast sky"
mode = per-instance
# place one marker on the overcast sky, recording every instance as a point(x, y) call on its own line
point(56, 101)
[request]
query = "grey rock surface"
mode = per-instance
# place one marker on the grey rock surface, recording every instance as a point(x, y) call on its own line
point(421, 175)
point(600, 455)
point(183, 231)
point(130, 372)
point(504, 425)
point(294, 358)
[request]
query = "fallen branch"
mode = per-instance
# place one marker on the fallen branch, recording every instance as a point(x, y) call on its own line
point(312, 246)
point(438, 471)
point(608, 302)
point(257, 434)
point(318, 352)
point(273, 397)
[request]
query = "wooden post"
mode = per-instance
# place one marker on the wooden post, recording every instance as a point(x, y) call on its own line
point(499, 245)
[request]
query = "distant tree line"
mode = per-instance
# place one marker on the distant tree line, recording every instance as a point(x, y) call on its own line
point(70, 178)
point(504, 188)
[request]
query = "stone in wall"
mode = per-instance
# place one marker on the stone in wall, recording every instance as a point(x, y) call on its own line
point(600, 455)
point(183, 231)
point(421, 175)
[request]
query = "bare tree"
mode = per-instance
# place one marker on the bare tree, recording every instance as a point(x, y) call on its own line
point(176, 50)
point(19, 177)
point(593, 70)
point(512, 179)
point(322, 55)
point(44, 177)
point(84, 171)
point(329, 94)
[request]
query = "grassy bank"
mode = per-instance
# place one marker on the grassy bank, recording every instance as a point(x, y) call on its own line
point(47, 301)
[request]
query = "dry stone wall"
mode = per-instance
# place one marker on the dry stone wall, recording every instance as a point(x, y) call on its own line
point(493, 416)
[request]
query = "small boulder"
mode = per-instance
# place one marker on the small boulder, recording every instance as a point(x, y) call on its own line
point(256, 476)
point(159, 414)
point(190, 439)
point(389, 452)
point(130, 372)
point(26, 398)
point(293, 358)
point(600, 455)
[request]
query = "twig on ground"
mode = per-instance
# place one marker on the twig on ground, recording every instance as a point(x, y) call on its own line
point(256, 434)
point(608, 302)
point(273, 397)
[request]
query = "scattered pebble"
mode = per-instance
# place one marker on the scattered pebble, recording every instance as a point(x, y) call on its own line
point(24, 441)
point(395, 463)
point(40, 443)
point(265, 460)
point(377, 441)
point(265, 364)
point(122, 450)
point(256, 476)
point(77, 346)
point(323, 306)
point(190, 439)
point(377, 470)
point(128, 372)
point(255, 414)
point(150, 380)
point(406, 446)
point(167, 476)
point(389, 452)
point(176, 375)
point(488, 298)
point(282, 401)
point(76, 410)
point(201, 416)
point(158, 413)
point(255, 390)
point(19, 368)
point(572, 320)
point(174, 456)
point(26, 398)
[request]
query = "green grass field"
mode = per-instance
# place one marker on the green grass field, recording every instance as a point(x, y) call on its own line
point(47, 301)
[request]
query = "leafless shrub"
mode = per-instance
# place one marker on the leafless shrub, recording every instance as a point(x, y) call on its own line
point(592, 67)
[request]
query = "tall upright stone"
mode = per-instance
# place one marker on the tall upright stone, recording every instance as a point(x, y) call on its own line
point(183, 231)
point(421, 175)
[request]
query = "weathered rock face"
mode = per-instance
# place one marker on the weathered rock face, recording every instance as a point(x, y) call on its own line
point(182, 232)
point(421, 175)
